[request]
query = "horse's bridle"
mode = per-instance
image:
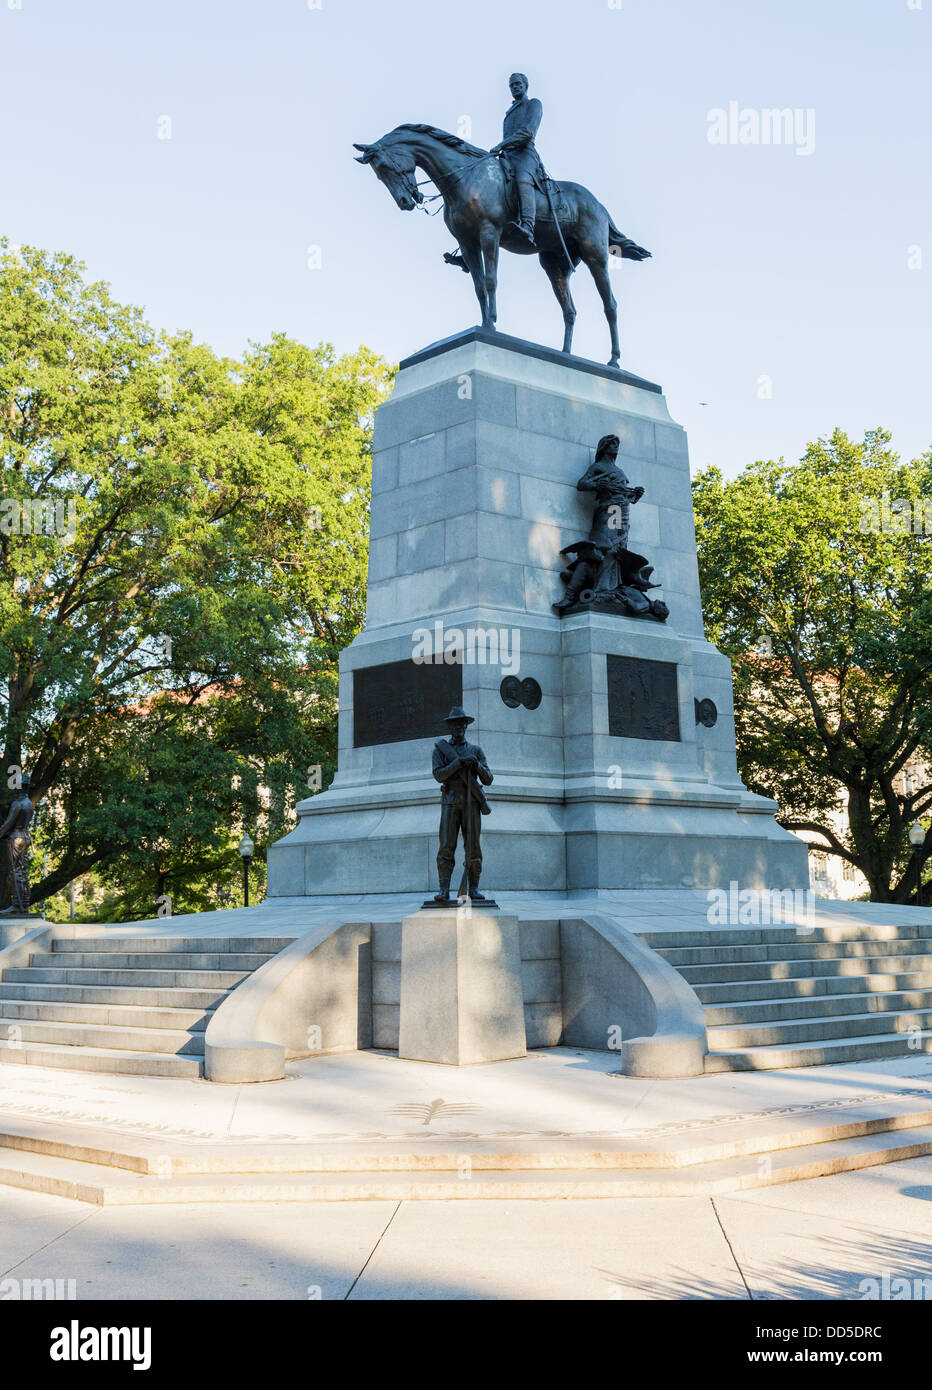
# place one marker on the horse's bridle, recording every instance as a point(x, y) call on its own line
point(412, 186)
point(408, 181)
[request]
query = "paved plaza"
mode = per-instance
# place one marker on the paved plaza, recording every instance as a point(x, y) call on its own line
point(822, 1239)
point(827, 1237)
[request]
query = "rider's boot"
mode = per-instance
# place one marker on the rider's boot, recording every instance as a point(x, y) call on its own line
point(527, 212)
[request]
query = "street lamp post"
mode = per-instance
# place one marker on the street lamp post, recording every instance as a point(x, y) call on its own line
point(246, 848)
point(917, 838)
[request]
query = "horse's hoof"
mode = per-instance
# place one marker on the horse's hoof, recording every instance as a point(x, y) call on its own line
point(613, 362)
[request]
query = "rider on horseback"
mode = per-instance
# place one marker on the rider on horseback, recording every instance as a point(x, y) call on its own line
point(521, 124)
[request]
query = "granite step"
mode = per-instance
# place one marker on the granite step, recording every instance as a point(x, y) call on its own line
point(125, 995)
point(191, 979)
point(101, 1059)
point(725, 1039)
point(130, 1015)
point(15, 1032)
point(819, 1005)
point(254, 945)
point(103, 1185)
point(810, 986)
point(828, 1052)
point(681, 1147)
point(921, 929)
point(800, 949)
point(175, 960)
point(724, 973)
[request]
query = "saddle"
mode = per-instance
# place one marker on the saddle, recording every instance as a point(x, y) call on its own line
point(542, 181)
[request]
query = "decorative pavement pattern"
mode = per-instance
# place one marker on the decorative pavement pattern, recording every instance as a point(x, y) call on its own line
point(434, 1109)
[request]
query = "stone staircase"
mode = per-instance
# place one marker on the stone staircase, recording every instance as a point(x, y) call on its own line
point(123, 1004)
point(751, 1151)
point(790, 996)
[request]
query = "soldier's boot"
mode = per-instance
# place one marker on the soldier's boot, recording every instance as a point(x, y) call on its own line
point(474, 893)
point(443, 893)
point(527, 211)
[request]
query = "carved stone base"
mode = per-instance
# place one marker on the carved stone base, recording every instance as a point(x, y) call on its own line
point(454, 905)
point(658, 611)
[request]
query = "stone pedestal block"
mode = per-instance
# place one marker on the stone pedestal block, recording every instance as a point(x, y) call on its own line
point(608, 779)
point(461, 996)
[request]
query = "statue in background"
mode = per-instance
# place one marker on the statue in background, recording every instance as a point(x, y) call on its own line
point(15, 831)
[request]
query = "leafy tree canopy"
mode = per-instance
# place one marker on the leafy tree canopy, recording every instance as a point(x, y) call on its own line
point(182, 555)
point(817, 583)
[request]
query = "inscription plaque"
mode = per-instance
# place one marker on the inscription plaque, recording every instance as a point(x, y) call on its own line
point(404, 700)
point(642, 699)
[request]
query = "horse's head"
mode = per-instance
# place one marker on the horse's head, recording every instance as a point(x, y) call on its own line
point(395, 168)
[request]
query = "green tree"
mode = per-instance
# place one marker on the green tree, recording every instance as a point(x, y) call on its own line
point(817, 583)
point(182, 555)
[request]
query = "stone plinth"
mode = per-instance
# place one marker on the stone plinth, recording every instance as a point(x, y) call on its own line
point(475, 461)
point(461, 996)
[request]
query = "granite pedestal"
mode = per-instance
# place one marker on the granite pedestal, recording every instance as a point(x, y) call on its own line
point(461, 996)
point(475, 463)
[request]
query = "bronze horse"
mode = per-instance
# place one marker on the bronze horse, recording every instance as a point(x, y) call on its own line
point(478, 207)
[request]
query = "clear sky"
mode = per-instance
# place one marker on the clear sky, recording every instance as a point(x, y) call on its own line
point(768, 263)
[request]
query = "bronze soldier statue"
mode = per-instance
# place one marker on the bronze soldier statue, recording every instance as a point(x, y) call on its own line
point(460, 767)
point(521, 124)
point(15, 830)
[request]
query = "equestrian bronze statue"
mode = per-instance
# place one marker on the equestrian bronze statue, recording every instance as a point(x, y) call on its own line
point(504, 198)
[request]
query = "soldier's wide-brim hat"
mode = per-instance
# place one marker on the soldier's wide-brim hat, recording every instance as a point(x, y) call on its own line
point(457, 712)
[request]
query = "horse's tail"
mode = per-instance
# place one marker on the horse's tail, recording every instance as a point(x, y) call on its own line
point(621, 245)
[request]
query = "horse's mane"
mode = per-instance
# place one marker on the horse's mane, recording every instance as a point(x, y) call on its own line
point(445, 138)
